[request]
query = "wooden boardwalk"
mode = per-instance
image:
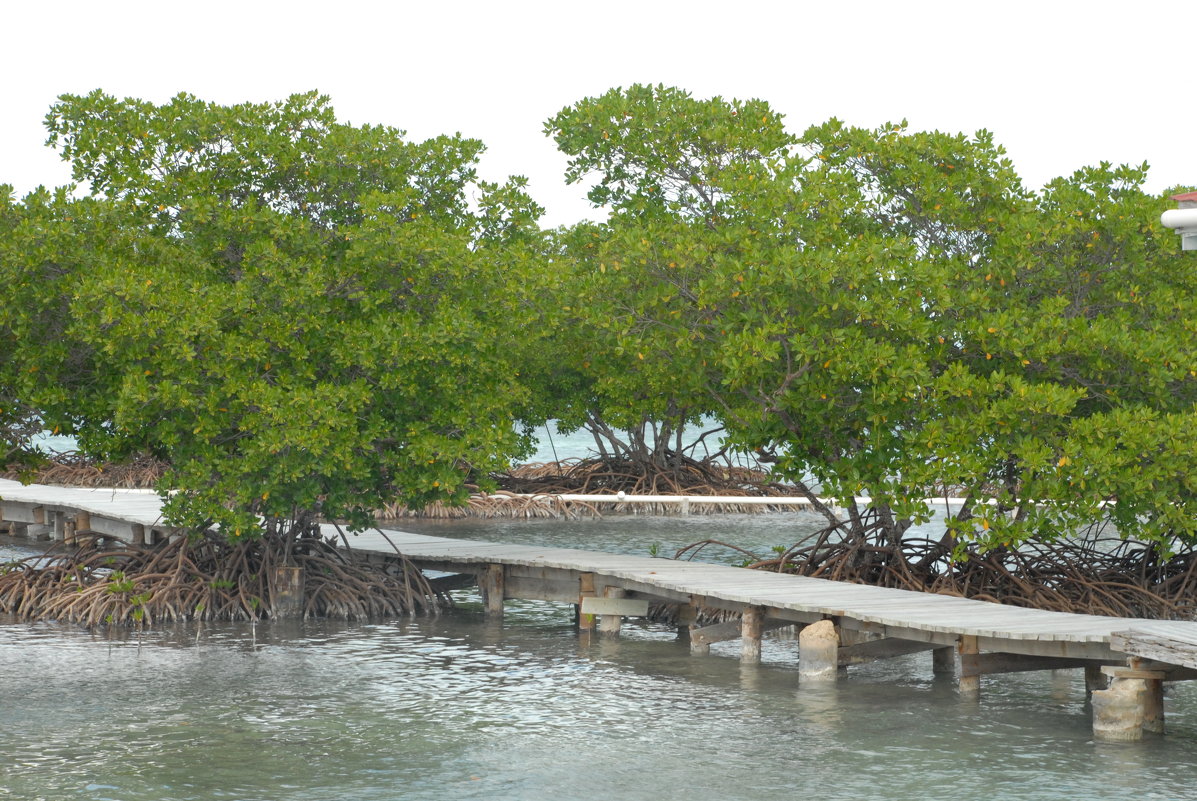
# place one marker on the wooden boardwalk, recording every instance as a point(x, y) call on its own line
point(970, 638)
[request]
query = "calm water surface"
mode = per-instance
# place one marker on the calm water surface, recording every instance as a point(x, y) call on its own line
point(458, 707)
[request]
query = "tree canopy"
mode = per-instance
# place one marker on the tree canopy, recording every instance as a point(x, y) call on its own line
point(894, 315)
point(300, 316)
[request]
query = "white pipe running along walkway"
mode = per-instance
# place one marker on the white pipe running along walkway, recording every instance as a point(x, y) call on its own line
point(841, 624)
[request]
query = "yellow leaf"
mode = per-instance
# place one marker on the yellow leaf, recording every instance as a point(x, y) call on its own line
point(991, 330)
point(1064, 460)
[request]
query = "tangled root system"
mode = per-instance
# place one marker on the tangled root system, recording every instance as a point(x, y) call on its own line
point(1094, 576)
point(97, 581)
point(75, 470)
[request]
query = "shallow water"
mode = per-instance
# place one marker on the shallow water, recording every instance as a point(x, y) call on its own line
point(457, 706)
point(642, 535)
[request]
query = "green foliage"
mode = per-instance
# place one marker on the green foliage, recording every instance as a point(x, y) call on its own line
point(671, 168)
point(891, 313)
point(299, 315)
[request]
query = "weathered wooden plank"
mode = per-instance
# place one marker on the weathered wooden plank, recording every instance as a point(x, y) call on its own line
point(553, 573)
point(1174, 649)
point(626, 607)
point(988, 663)
point(455, 581)
point(863, 652)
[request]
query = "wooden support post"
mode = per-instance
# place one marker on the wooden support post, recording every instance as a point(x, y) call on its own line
point(943, 662)
point(138, 534)
point(610, 624)
point(1153, 706)
point(491, 584)
point(750, 634)
point(1153, 700)
point(967, 646)
point(68, 532)
point(286, 602)
point(686, 617)
point(698, 647)
point(585, 590)
point(39, 515)
point(818, 652)
point(82, 521)
point(1094, 679)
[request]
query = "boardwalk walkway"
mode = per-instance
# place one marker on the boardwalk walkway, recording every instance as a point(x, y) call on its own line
point(972, 638)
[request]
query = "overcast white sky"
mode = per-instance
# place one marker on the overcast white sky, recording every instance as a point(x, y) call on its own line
point(1062, 84)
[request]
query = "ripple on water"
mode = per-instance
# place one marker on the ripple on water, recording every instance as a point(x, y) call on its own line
point(457, 706)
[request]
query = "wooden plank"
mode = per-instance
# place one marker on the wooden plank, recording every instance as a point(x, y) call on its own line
point(1170, 649)
point(731, 630)
point(989, 663)
point(456, 581)
point(553, 573)
point(627, 607)
point(863, 652)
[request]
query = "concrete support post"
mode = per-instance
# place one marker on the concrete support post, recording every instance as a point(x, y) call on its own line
point(286, 602)
point(610, 624)
point(969, 685)
point(943, 661)
point(1118, 712)
point(59, 526)
point(818, 652)
point(491, 585)
point(750, 635)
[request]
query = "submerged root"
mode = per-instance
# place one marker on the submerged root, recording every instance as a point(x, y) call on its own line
point(98, 582)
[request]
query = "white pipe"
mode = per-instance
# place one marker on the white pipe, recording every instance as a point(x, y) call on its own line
point(1179, 218)
point(743, 500)
point(1184, 221)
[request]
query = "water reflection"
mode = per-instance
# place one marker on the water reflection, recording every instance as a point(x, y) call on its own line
point(459, 705)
